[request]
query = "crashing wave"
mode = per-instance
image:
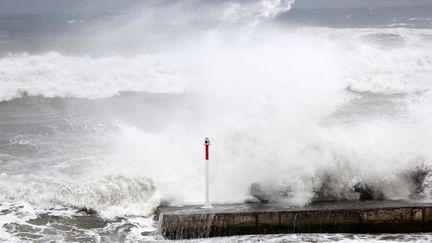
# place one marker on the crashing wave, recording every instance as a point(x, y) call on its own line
point(109, 196)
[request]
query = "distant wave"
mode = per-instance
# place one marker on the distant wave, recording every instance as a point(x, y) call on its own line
point(55, 75)
point(372, 62)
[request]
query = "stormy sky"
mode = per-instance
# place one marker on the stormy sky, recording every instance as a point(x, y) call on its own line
point(94, 6)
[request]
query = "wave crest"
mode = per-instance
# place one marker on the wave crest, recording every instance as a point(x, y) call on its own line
point(110, 195)
point(55, 75)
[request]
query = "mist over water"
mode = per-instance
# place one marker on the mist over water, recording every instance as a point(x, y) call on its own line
point(109, 113)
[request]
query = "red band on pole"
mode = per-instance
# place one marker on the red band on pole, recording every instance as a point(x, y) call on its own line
point(207, 152)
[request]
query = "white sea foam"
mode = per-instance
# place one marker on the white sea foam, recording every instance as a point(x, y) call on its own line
point(255, 10)
point(11, 213)
point(342, 238)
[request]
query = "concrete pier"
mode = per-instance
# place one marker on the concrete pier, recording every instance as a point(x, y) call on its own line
point(329, 217)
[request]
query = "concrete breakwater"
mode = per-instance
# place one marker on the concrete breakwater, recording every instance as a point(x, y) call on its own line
point(327, 217)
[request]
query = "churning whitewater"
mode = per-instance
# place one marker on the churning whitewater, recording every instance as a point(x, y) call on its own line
point(111, 122)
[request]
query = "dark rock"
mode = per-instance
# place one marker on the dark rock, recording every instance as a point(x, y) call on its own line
point(5, 211)
point(88, 211)
point(258, 192)
point(418, 177)
point(367, 193)
point(331, 191)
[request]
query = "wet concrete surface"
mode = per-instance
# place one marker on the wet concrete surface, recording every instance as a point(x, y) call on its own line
point(324, 217)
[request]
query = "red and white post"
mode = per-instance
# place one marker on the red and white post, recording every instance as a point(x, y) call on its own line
point(207, 179)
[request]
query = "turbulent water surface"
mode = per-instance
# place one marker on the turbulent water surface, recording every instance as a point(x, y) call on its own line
point(102, 117)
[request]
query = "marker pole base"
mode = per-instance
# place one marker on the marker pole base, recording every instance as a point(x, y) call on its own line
point(207, 204)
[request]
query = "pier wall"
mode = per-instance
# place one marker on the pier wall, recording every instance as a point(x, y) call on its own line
point(197, 223)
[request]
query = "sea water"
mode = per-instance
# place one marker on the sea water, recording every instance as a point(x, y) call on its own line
point(103, 116)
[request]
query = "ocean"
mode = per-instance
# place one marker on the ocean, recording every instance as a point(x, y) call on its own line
point(103, 116)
